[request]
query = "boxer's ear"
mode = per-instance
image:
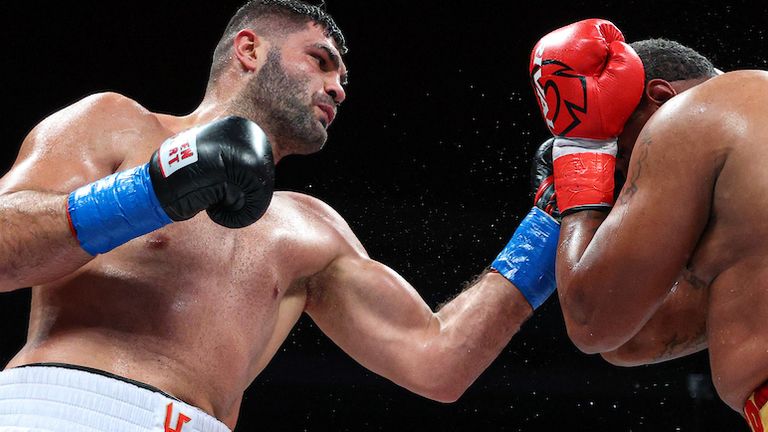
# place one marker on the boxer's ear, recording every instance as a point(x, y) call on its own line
point(658, 91)
point(246, 46)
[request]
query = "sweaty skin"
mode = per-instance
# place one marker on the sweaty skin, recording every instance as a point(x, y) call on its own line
point(690, 210)
point(677, 328)
point(198, 310)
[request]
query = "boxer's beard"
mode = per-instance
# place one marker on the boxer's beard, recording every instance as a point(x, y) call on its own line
point(280, 104)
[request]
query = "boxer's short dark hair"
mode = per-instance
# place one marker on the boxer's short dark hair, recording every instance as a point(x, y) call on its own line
point(275, 18)
point(672, 61)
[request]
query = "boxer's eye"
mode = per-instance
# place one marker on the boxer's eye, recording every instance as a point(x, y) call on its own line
point(321, 61)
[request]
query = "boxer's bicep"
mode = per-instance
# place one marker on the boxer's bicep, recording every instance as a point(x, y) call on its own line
point(373, 314)
point(382, 322)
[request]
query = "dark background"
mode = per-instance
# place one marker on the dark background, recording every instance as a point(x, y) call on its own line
point(428, 162)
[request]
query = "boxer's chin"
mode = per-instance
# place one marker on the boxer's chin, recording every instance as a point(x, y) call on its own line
point(304, 138)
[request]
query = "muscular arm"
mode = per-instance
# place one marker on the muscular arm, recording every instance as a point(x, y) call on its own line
point(677, 329)
point(36, 245)
point(614, 271)
point(381, 321)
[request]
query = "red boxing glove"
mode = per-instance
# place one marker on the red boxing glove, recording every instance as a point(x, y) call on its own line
point(587, 83)
point(586, 79)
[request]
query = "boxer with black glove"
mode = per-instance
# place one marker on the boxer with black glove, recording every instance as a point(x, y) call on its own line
point(543, 180)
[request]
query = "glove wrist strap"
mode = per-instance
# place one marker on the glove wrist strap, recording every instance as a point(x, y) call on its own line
point(115, 209)
point(584, 172)
point(528, 260)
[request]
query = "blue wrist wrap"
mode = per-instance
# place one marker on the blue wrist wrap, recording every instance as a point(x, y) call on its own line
point(115, 209)
point(528, 260)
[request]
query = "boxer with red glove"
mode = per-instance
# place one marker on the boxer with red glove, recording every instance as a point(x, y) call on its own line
point(588, 82)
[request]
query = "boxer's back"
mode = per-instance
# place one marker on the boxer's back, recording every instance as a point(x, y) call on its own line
point(194, 309)
point(732, 254)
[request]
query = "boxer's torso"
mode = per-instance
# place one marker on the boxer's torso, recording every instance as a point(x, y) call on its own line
point(732, 254)
point(194, 309)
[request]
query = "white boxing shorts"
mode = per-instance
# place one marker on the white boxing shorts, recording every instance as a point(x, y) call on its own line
point(64, 398)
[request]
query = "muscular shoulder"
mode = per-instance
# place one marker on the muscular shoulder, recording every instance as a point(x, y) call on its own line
point(91, 115)
point(324, 217)
point(84, 141)
point(717, 112)
point(110, 102)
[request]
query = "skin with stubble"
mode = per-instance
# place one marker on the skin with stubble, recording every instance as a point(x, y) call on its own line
point(688, 217)
point(198, 310)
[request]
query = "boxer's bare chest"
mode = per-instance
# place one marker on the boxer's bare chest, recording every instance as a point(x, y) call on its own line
point(192, 304)
point(200, 268)
point(193, 281)
point(256, 263)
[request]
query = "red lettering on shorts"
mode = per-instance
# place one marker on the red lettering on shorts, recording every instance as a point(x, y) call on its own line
point(753, 417)
point(179, 422)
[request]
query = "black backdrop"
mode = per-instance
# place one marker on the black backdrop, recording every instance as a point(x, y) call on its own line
point(428, 162)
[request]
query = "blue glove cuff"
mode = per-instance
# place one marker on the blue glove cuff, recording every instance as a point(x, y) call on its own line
point(528, 260)
point(115, 209)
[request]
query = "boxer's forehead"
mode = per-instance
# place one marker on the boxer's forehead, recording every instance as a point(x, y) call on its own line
point(314, 36)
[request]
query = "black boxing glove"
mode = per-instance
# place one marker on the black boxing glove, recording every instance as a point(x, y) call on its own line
point(224, 167)
point(543, 180)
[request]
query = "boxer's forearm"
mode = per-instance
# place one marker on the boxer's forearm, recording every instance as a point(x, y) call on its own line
point(678, 328)
point(643, 350)
point(36, 243)
point(462, 339)
point(475, 327)
point(576, 233)
point(580, 289)
point(602, 314)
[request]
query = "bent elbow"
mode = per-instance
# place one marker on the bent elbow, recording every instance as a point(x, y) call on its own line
point(594, 339)
point(618, 358)
point(451, 391)
point(446, 392)
point(440, 382)
point(590, 326)
point(9, 279)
